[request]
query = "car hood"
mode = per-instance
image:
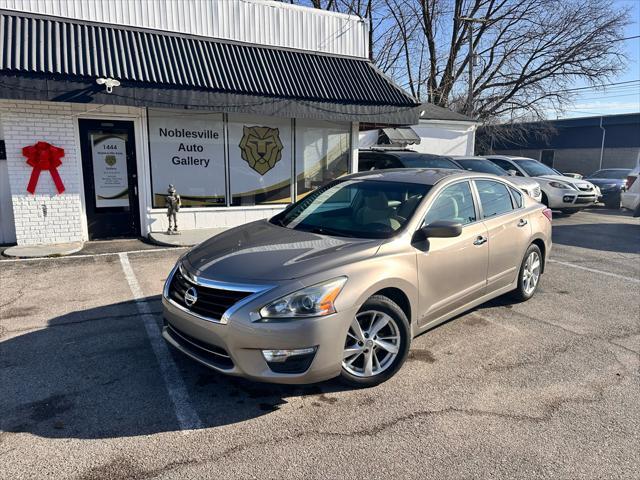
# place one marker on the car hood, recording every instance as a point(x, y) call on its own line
point(601, 182)
point(523, 182)
point(262, 252)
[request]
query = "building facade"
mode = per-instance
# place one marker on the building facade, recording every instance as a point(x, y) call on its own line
point(243, 105)
point(580, 145)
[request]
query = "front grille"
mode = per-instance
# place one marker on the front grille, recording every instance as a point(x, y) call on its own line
point(211, 303)
point(585, 199)
point(585, 188)
point(212, 354)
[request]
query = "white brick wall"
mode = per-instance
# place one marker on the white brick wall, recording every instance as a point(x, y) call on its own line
point(46, 217)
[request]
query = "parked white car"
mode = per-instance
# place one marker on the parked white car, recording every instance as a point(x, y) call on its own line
point(480, 164)
point(630, 195)
point(558, 192)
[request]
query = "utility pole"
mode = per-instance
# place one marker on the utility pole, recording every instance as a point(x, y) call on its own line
point(471, 21)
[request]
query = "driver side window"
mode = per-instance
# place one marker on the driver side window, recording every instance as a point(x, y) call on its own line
point(455, 204)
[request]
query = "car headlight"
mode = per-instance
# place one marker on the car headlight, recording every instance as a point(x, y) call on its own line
point(314, 301)
point(561, 185)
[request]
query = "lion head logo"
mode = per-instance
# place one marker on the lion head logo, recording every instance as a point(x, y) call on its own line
point(261, 148)
point(110, 160)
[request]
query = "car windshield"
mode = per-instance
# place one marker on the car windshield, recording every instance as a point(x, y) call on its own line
point(482, 166)
point(535, 169)
point(428, 162)
point(619, 174)
point(355, 208)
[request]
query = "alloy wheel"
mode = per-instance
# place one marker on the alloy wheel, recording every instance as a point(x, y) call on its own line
point(531, 273)
point(372, 344)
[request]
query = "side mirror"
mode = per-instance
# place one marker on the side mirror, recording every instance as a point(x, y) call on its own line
point(439, 229)
point(512, 172)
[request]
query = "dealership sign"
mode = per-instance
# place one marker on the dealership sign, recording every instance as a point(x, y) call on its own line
point(188, 152)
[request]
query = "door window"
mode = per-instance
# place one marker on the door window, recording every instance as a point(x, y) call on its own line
point(506, 165)
point(517, 198)
point(494, 198)
point(455, 204)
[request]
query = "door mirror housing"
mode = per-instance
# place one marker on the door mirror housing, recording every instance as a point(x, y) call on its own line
point(512, 172)
point(439, 229)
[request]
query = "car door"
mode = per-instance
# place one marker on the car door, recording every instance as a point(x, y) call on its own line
point(452, 271)
point(508, 228)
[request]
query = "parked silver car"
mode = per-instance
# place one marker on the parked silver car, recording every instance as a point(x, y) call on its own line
point(559, 192)
point(340, 282)
point(483, 165)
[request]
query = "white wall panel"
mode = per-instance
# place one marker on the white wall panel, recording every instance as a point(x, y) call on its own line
point(253, 21)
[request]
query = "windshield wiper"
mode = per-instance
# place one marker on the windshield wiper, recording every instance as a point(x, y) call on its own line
point(328, 231)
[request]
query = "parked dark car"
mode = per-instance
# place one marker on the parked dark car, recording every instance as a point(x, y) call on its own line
point(385, 159)
point(610, 181)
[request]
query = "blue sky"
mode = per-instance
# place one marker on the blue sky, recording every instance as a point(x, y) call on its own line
point(620, 98)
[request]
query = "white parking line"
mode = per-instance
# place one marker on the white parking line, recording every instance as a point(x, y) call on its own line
point(188, 418)
point(593, 270)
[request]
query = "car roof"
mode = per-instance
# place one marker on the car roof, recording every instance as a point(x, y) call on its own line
point(509, 157)
point(405, 154)
point(468, 157)
point(424, 176)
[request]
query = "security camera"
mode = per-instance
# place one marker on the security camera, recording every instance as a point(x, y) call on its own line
point(109, 83)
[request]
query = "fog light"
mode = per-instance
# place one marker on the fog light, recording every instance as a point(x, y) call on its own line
point(567, 198)
point(278, 356)
point(289, 361)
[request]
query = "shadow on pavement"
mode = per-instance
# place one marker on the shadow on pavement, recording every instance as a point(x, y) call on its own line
point(610, 237)
point(93, 374)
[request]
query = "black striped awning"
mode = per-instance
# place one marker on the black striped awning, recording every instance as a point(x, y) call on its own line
point(57, 49)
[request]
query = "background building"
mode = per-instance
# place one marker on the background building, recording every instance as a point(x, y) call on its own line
point(439, 131)
point(244, 105)
point(581, 145)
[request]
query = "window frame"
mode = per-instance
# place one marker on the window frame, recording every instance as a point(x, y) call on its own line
point(474, 198)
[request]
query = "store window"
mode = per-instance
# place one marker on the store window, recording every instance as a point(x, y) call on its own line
point(260, 153)
point(322, 153)
point(187, 150)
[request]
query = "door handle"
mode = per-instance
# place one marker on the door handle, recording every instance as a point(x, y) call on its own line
point(480, 240)
point(522, 222)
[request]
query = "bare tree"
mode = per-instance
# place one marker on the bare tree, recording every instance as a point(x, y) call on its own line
point(527, 53)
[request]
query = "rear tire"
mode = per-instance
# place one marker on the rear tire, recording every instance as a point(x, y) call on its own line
point(529, 274)
point(377, 343)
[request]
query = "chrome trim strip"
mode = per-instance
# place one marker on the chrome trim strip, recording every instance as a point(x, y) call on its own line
point(256, 291)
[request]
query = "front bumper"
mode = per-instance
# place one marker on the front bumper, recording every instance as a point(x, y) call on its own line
point(235, 348)
point(570, 199)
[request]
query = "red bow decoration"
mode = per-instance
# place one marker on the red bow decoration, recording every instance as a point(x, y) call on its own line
point(44, 156)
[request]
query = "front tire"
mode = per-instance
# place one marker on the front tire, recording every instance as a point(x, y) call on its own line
point(377, 343)
point(529, 274)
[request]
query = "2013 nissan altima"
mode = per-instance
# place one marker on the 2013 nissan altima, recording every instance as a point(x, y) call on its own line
point(340, 282)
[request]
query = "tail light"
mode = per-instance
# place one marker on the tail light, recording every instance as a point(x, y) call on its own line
point(547, 213)
point(629, 182)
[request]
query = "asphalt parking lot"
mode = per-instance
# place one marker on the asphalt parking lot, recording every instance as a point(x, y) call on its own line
point(549, 388)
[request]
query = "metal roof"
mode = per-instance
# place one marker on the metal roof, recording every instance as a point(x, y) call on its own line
point(40, 45)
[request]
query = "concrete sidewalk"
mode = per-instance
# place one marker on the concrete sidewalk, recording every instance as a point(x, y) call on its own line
point(186, 238)
point(36, 251)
